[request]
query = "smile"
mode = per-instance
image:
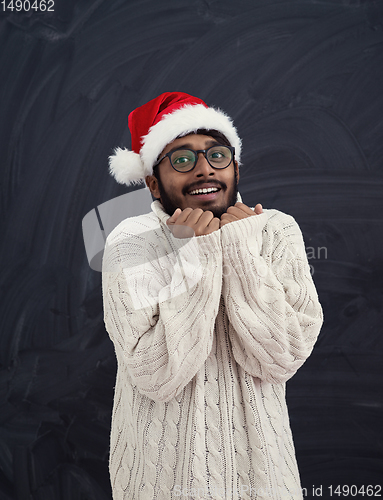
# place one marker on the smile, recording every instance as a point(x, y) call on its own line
point(204, 191)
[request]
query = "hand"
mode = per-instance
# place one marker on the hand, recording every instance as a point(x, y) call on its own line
point(239, 211)
point(188, 222)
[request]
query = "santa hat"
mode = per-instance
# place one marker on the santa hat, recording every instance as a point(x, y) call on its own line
point(157, 123)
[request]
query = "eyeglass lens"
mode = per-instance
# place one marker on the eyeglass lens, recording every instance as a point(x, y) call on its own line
point(184, 159)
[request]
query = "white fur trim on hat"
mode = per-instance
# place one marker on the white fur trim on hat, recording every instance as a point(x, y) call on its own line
point(126, 167)
point(184, 121)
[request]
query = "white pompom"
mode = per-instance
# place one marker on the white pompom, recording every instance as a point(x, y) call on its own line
point(126, 167)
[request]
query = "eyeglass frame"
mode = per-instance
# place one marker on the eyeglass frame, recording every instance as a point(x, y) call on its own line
point(196, 152)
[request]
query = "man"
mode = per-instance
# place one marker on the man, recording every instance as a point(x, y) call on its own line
point(211, 308)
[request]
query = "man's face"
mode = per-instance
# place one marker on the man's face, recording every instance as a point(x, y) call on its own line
point(173, 187)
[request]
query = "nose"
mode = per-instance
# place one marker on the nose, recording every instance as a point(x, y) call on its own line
point(203, 167)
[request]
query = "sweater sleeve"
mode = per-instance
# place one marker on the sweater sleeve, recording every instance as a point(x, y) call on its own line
point(270, 298)
point(160, 307)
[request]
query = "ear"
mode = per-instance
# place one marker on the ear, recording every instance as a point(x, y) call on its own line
point(236, 168)
point(152, 184)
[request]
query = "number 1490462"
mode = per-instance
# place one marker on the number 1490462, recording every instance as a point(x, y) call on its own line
point(353, 491)
point(28, 5)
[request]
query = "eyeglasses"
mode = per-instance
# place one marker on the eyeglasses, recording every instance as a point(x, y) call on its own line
point(184, 160)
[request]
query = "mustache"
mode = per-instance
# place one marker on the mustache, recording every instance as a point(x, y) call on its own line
point(217, 184)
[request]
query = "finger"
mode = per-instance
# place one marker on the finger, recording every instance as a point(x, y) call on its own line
point(194, 216)
point(224, 222)
point(203, 221)
point(174, 217)
point(258, 209)
point(183, 216)
point(228, 218)
point(244, 208)
point(238, 212)
point(213, 225)
point(205, 218)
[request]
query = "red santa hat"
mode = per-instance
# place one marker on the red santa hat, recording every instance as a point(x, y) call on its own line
point(157, 123)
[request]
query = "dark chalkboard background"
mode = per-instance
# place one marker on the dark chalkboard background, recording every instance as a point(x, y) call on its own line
point(303, 81)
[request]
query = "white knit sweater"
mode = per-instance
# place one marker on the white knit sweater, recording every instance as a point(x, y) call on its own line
point(206, 334)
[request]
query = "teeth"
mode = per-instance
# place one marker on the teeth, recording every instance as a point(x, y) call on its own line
point(204, 191)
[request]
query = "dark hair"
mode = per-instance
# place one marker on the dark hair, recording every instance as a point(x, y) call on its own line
point(218, 136)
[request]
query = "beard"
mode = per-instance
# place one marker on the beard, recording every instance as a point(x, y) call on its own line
point(170, 203)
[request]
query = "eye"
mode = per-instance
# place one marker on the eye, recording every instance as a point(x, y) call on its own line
point(182, 157)
point(217, 154)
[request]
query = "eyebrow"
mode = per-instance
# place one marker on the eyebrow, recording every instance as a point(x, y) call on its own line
point(209, 143)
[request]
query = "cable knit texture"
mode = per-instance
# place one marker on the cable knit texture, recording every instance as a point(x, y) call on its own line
point(206, 331)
